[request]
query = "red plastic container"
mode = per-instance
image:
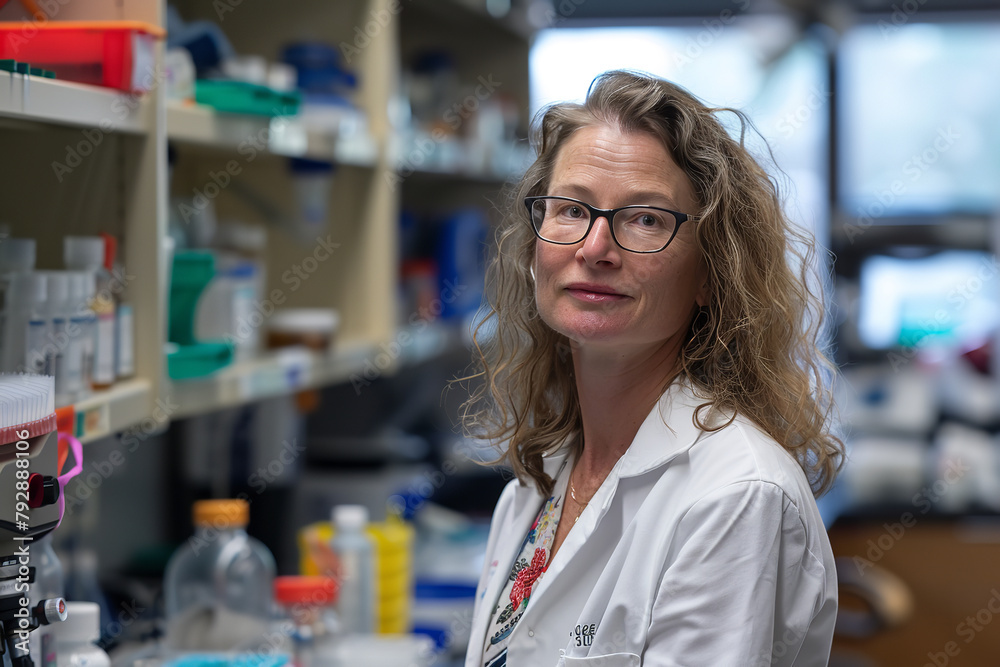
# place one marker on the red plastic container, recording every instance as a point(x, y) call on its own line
point(113, 54)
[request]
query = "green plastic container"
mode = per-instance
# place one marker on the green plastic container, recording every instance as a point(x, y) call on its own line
point(246, 98)
point(192, 271)
point(199, 360)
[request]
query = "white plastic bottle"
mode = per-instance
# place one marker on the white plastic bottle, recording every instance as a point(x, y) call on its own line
point(77, 636)
point(125, 335)
point(86, 253)
point(56, 340)
point(218, 587)
point(354, 549)
point(76, 330)
point(85, 322)
point(25, 322)
point(48, 584)
point(17, 257)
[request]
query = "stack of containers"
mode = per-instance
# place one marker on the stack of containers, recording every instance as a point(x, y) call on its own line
point(228, 308)
point(394, 570)
point(87, 253)
point(67, 324)
point(393, 542)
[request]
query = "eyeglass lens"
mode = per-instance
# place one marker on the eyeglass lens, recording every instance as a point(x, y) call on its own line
point(636, 228)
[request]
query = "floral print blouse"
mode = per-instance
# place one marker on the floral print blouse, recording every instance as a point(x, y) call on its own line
point(528, 566)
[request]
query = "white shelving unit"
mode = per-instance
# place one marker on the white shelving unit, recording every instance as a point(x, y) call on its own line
point(113, 410)
point(36, 99)
point(281, 372)
point(288, 137)
point(120, 185)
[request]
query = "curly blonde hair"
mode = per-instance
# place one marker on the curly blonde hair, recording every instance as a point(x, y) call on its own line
point(751, 350)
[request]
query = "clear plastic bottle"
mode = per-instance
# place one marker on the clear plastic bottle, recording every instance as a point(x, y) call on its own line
point(218, 585)
point(17, 257)
point(26, 323)
point(85, 322)
point(124, 320)
point(77, 330)
point(356, 554)
point(56, 339)
point(48, 584)
point(77, 636)
point(86, 253)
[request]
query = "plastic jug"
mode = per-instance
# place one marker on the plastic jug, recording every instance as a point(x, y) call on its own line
point(218, 585)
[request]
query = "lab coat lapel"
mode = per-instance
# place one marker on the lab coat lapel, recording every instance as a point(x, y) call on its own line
point(667, 432)
point(526, 504)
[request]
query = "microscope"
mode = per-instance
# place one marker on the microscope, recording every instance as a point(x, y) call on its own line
point(29, 509)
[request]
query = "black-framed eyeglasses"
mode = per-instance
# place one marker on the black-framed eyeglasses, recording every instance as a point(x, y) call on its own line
point(637, 228)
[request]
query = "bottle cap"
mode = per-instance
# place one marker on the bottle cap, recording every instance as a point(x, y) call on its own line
point(27, 288)
point(110, 251)
point(350, 516)
point(56, 286)
point(83, 252)
point(311, 591)
point(82, 624)
point(221, 513)
point(78, 287)
point(17, 255)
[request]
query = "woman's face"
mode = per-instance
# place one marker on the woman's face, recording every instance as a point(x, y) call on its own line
point(596, 293)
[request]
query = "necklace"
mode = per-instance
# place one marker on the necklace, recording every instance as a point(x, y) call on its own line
point(572, 494)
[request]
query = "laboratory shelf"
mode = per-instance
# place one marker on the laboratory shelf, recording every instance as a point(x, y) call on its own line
point(278, 373)
point(287, 136)
point(453, 159)
point(124, 405)
point(64, 103)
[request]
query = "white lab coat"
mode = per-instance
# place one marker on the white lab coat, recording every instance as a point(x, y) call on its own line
point(700, 549)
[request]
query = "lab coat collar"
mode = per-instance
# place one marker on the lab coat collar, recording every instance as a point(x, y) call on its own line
point(668, 431)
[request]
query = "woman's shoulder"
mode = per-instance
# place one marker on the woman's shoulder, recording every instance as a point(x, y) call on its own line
point(738, 451)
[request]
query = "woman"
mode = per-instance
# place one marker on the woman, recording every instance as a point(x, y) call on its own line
point(650, 360)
